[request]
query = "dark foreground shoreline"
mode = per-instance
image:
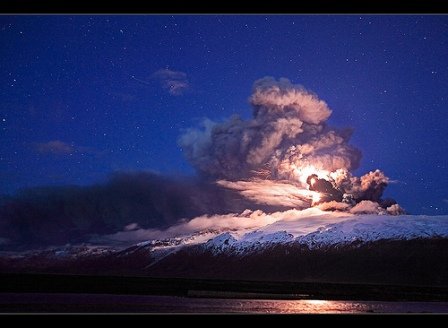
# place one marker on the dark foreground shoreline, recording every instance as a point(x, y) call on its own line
point(214, 288)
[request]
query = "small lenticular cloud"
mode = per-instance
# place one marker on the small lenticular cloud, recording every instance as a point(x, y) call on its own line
point(175, 82)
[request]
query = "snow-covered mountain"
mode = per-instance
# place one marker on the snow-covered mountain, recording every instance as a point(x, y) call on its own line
point(324, 230)
point(312, 228)
point(291, 246)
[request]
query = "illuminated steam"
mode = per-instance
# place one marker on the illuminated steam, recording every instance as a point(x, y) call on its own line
point(270, 157)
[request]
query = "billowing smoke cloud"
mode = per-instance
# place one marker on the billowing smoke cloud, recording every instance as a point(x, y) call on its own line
point(287, 140)
point(286, 136)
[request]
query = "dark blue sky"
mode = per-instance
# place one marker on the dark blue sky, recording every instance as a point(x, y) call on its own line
point(80, 96)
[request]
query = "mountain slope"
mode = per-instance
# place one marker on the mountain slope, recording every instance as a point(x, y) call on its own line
point(314, 246)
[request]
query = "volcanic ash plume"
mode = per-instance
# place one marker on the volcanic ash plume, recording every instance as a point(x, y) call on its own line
point(285, 143)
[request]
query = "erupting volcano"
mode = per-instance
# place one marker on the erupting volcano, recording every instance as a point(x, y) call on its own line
point(276, 189)
point(215, 156)
point(287, 144)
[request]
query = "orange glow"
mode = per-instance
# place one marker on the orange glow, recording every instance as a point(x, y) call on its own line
point(320, 306)
point(317, 302)
point(303, 172)
point(292, 192)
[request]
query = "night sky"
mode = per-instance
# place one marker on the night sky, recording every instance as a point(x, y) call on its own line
point(85, 96)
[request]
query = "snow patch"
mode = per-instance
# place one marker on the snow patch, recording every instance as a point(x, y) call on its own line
point(221, 242)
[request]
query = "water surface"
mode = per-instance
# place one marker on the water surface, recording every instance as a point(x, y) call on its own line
point(102, 303)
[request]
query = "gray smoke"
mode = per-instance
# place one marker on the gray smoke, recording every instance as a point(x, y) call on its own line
point(287, 139)
point(287, 132)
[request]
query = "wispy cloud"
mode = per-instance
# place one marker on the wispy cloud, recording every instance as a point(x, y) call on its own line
point(175, 82)
point(55, 147)
point(302, 221)
point(61, 148)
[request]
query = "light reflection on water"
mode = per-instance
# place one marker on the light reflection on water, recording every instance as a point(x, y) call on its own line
point(322, 306)
point(39, 302)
